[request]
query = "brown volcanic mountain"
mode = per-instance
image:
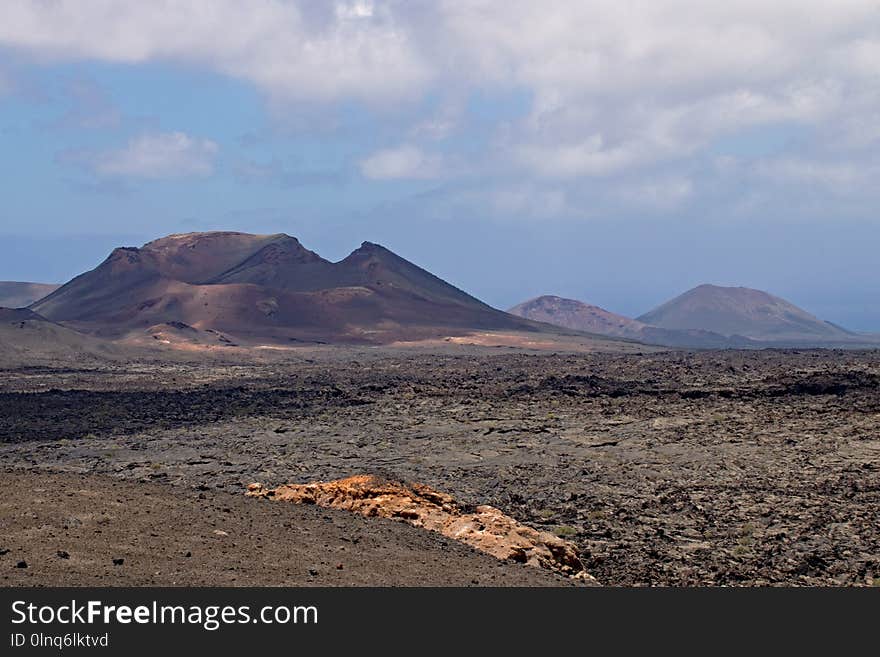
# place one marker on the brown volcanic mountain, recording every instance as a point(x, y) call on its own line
point(580, 316)
point(14, 294)
point(268, 288)
point(746, 312)
point(577, 315)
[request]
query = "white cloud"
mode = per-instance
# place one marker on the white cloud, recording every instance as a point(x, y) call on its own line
point(165, 155)
point(620, 86)
point(588, 158)
point(615, 90)
point(354, 10)
point(562, 50)
point(403, 162)
point(297, 50)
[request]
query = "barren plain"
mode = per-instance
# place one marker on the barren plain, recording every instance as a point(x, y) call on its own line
point(672, 468)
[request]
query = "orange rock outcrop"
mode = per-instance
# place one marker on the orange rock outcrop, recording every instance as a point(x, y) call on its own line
point(486, 529)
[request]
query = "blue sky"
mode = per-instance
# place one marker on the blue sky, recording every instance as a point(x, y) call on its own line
point(615, 154)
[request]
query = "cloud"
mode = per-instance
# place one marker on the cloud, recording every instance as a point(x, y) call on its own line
point(561, 50)
point(588, 158)
point(402, 162)
point(164, 155)
point(844, 177)
point(619, 87)
point(620, 93)
point(276, 173)
point(354, 10)
point(529, 201)
point(440, 124)
point(666, 193)
point(297, 50)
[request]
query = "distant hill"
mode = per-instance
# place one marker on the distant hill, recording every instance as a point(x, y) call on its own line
point(27, 338)
point(577, 315)
point(573, 314)
point(238, 289)
point(14, 294)
point(268, 288)
point(746, 312)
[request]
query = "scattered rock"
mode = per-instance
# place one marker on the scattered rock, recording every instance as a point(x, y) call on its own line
point(118, 561)
point(21, 564)
point(63, 554)
point(72, 522)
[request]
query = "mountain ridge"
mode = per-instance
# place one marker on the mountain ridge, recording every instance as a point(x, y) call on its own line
point(268, 288)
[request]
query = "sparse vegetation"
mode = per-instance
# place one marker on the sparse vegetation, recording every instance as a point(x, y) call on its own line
point(565, 531)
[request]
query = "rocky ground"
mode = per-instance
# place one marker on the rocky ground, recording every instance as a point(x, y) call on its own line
point(75, 530)
point(712, 468)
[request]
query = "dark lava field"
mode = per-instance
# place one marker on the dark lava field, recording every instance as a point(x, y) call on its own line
point(682, 469)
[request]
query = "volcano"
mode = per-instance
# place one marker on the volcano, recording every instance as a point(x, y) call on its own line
point(580, 316)
point(268, 288)
point(746, 312)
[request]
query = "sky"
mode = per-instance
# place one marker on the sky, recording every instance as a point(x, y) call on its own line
point(614, 152)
